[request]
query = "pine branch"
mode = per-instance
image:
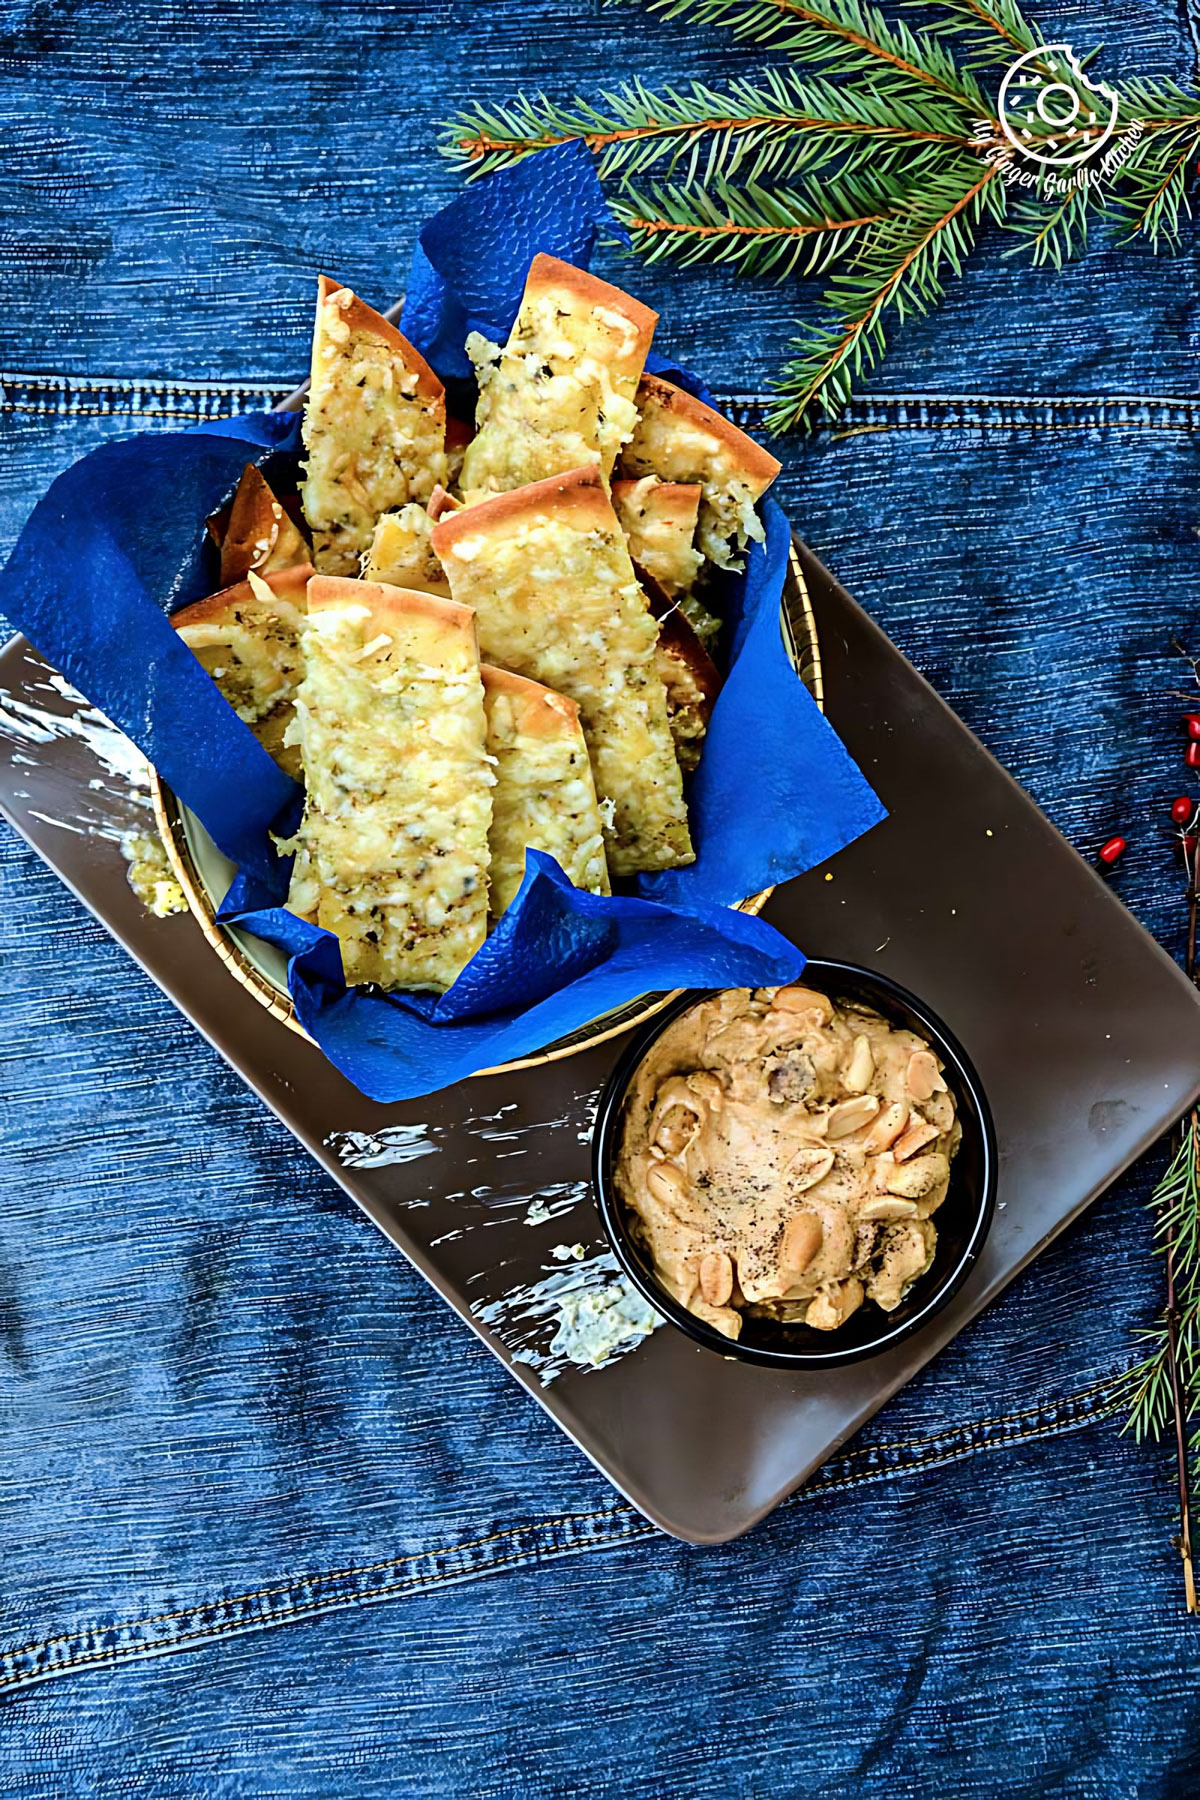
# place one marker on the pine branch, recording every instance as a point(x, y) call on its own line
point(749, 129)
point(846, 168)
point(902, 273)
point(778, 231)
point(850, 37)
point(1164, 1390)
point(985, 32)
point(1056, 236)
point(1152, 198)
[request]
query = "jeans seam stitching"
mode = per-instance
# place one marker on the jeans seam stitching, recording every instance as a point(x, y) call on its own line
point(1068, 1401)
point(410, 1584)
point(562, 1534)
point(354, 1569)
point(877, 412)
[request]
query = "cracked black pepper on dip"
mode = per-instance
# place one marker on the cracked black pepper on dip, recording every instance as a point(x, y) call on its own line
point(783, 1155)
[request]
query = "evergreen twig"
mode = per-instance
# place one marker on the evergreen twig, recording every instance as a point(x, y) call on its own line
point(1163, 1391)
point(864, 162)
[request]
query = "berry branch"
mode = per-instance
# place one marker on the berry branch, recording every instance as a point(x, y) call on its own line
point(1164, 1388)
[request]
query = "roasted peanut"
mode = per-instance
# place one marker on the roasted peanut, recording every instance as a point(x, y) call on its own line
point(802, 1238)
point(834, 1304)
point(888, 1207)
point(667, 1184)
point(913, 1180)
point(851, 1115)
point(802, 999)
point(716, 1277)
point(811, 1163)
point(676, 1128)
point(706, 1088)
point(676, 1117)
point(923, 1078)
point(887, 1128)
point(862, 1067)
point(914, 1139)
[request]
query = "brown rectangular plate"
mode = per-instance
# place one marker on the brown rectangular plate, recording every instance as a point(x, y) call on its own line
point(1085, 1034)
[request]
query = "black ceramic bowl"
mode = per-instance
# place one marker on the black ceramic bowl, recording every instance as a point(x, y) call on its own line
point(962, 1219)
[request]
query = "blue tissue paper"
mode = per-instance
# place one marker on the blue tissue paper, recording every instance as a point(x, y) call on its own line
point(117, 545)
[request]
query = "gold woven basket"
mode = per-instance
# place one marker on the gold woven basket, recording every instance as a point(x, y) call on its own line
point(260, 969)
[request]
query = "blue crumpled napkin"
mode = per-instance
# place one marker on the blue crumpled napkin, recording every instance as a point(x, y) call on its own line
point(468, 269)
point(118, 544)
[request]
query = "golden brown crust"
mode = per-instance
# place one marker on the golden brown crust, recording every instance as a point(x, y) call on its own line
point(441, 503)
point(677, 639)
point(542, 710)
point(257, 529)
point(383, 602)
point(757, 464)
point(677, 500)
point(288, 584)
point(361, 317)
point(579, 490)
point(548, 275)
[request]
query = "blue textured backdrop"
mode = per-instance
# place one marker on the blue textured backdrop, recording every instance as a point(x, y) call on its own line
point(224, 1402)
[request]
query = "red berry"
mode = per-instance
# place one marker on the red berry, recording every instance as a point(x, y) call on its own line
point(1109, 852)
point(1192, 757)
point(1181, 810)
point(1188, 845)
point(1192, 725)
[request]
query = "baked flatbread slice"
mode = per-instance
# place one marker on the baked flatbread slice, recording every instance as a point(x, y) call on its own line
point(256, 532)
point(547, 570)
point(374, 428)
point(247, 637)
point(561, 392)
point(659, 518)
point(688, 672)
point(679, 439)
point(392, 852)
point(401, 554)
point(545, 797)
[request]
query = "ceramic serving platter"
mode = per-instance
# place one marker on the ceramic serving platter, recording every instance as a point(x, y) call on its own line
point(1085, 1034)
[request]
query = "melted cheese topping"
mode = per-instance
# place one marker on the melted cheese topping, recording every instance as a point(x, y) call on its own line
point(545, 799)
point(392, 852)
point(688, 705)
point(374, 442)
point(252, 652)
point(678, 449)
point(559, 395)
point(401, 554)
point(557, 600)
point(660, 530)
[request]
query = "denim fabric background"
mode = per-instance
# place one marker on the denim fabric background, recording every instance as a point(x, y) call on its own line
point(225, 1402)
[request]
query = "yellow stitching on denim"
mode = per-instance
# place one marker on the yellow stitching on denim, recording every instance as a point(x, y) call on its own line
point(964, 1450)
point(577, 1519)
point(67, 384)
point(999, 423)
point(1027, 1412)
point(101, 412)
point(213, 1635)
point(1013, 424)
point(420, 1583)
point(390, 1562)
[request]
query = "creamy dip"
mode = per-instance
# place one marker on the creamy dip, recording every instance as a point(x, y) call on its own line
point(783, 1155)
